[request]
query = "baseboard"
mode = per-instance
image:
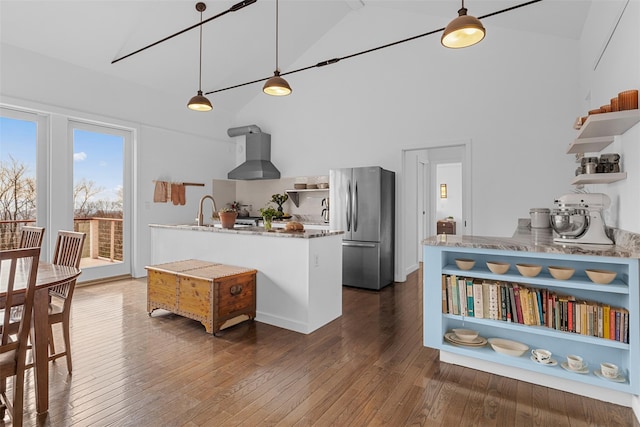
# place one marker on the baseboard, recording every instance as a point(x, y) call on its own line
point(105, 280)
point(586, 390)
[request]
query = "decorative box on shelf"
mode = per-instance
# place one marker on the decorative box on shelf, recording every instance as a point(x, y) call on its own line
point(446, 227)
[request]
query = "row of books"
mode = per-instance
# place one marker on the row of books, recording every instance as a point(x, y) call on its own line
point(513, 302)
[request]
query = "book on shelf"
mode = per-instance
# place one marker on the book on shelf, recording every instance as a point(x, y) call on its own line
point(494, 303)
point(512, 303)
point(455, 295)
point(606, 321)
point(462, 296)
point(625, 327)
point(600, 323)
point(485, 300)
point(470, 305)
point(445, 303)
point(518, 301)
point(478, 305)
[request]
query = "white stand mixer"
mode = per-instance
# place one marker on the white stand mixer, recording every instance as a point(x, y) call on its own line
point(578, 218)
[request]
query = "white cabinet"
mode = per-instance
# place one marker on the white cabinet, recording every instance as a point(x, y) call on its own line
point(622, 293)
point(597, 132)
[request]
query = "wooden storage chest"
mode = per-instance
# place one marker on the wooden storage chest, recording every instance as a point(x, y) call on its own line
point(208, 292)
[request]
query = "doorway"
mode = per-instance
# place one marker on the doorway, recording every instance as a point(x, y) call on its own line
point(422, 205)
point(448, 197)
point(101, 197)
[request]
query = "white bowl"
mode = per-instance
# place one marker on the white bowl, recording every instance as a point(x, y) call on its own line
point(508, 347)
point(602, 277)
point(466, 335)
point(529, 270)
point(561, 273)
point(498, 267)
point(465, 264)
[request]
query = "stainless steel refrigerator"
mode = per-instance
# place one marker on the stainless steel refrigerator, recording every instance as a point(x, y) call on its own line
point(363, 206)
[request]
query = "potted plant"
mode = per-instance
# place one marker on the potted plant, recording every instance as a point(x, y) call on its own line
point(268, 213)
point(228, 217)
point(279, 200)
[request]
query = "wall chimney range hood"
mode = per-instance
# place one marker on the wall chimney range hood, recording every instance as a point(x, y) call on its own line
point(258, 155)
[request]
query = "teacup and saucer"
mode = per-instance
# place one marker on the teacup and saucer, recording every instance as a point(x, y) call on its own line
point(610, 372)
point(576, 364)
point(543, 357)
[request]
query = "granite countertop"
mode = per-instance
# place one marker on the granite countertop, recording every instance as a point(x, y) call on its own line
point(527, 239)
point(255, 231)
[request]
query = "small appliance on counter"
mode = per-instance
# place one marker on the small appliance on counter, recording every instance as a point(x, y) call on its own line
point(577, 218)
point(540, 217)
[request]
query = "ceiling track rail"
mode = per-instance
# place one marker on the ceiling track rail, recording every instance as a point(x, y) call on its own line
point(236, 7)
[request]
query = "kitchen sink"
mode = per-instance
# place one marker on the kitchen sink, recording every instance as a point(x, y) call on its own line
point(235, 225)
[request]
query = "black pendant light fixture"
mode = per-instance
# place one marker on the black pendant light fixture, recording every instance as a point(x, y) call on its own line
point(276, 85)
point(463, 31)
point(200, 102)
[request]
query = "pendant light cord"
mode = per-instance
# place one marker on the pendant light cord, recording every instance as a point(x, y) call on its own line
point(277, 67)
point(200, 71)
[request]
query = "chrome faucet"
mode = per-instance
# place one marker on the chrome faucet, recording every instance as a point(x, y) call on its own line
point(213, 203)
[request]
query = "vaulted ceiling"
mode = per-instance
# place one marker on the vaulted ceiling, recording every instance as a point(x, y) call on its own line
point(237, 47)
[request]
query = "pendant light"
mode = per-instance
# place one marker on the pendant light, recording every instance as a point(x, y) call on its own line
point(276, 85)
point(200, 102)
point(463, 31)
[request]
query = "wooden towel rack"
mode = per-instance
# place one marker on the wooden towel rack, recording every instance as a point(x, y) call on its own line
point(193, 184)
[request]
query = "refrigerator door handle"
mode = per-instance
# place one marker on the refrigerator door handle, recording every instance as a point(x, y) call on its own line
point(355, 207)
point(348, 203)
point(359, 245)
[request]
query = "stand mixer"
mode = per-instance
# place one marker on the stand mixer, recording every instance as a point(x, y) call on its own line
point(578, 218)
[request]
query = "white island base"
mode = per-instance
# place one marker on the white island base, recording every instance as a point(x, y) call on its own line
point(299, 280)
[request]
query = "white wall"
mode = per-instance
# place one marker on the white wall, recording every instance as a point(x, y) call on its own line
point(515, 95)
point(617, 70)
point(178, 157)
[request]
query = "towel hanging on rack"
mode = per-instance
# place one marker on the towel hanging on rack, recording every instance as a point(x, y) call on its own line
point(160, 192)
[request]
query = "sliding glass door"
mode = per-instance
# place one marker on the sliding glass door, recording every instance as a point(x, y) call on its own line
point(65, 174)
point(101, 197)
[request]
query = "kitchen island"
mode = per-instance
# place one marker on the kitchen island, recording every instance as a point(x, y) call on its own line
point(299, 280)
point(534, 246)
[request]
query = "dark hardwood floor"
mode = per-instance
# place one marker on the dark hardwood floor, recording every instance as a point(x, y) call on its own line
point(366, 368)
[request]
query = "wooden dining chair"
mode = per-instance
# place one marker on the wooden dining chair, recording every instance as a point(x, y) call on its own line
point(13, 347)
point(31, 237)
point(68, 252)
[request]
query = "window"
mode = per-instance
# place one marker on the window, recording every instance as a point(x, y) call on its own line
point(19, 195)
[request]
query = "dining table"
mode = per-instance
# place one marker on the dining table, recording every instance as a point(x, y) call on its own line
point(48, 275)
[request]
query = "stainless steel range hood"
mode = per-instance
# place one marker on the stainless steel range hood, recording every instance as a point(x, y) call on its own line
point(258, 155)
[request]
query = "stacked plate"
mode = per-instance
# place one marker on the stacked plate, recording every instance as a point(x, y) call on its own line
point(454, 339)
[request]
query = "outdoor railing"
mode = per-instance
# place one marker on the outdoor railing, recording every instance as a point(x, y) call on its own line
point(10, 232)
point(103, 241)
